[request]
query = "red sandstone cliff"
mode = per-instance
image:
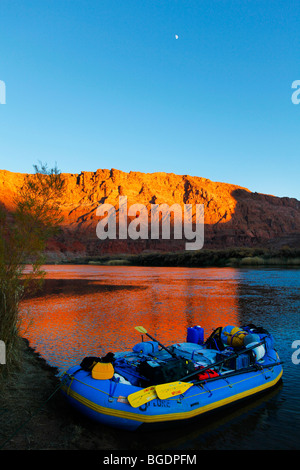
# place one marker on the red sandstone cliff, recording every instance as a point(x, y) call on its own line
point(234, 216)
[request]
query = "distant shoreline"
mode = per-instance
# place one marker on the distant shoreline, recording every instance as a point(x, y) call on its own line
point(231, 257)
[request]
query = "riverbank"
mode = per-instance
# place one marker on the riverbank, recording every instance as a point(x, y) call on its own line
point(33, 418)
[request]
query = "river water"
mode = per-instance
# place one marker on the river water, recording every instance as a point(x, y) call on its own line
point(91, 310)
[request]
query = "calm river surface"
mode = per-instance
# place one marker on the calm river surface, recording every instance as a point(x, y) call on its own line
point(91, 310)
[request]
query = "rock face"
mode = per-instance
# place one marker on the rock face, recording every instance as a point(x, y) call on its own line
point(233, 216)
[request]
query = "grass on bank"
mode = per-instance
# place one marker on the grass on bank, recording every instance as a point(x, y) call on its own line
point(231, 257)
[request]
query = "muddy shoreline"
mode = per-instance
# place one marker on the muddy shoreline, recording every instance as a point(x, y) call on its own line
point(34, 416)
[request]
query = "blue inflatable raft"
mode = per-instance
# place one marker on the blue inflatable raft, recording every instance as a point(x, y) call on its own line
point(158, 385)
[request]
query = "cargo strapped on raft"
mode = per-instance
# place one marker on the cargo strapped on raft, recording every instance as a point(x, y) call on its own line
point(167, 370)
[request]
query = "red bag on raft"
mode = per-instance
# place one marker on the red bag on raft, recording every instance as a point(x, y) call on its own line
point(207, 374)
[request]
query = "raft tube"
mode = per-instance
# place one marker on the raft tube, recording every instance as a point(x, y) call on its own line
point(106, 401)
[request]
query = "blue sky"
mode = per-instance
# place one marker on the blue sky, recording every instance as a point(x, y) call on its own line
point(106, 84)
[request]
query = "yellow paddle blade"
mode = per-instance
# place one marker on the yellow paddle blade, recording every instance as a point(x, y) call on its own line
point(103, 371)
point(171, 389)
point(141, 397)
point(141, 329)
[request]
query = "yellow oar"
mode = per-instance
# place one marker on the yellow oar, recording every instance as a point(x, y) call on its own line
point(172, 389)
point(141, 397)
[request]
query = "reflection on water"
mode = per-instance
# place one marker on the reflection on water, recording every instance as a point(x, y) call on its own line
point(93, 310)
point(90, 310)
